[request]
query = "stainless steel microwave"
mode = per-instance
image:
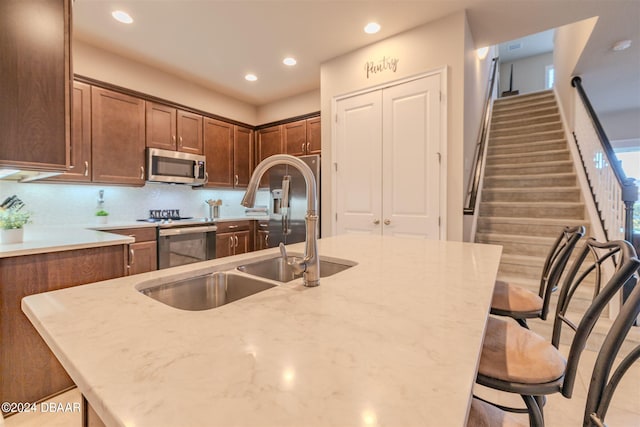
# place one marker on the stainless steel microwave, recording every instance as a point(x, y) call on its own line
point(176, 167)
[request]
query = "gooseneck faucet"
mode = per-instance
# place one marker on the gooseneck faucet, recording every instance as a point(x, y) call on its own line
point(310, 264)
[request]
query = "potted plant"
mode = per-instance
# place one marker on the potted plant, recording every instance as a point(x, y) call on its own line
point(11, 222)
point(102, 215)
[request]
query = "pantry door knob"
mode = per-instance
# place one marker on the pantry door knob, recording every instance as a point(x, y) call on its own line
point(376, 221)
point(387, 221)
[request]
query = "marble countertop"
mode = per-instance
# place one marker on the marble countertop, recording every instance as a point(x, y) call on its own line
point(44, 239)
point(55, 238)
point(392, 341)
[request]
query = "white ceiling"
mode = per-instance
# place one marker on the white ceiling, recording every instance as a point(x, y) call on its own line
point(215, 43)
point(535, 44)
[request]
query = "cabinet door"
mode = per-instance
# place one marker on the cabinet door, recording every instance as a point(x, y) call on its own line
point(314, 140)
point(189, 132)
point(295, 137)
point(29, 371)
point(242, 156)
point(143, 257)
point(118, 132)
point(218, 148)
point(161, 126)
point(242, 242)
point(262, 240)
point(225, 243)
point(269, 143)
point(80, 160)
point(35, 86)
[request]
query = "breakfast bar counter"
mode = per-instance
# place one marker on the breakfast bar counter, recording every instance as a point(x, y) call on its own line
point(391, 341)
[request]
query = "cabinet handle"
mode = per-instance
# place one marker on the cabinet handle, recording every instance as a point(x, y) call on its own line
point(180, 142)
point(230, 242)
point(232, 227)
point(236, 237)
point(308, 147)
point(236, 179)
point(376, 221)
point(86, 168)
point(387, 221)
point(266, 240)
point(132, 256)
point(303, 145)
point(141, 172)
point(173, 137)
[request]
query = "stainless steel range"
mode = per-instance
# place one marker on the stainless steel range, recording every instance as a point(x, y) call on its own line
point(183, 240)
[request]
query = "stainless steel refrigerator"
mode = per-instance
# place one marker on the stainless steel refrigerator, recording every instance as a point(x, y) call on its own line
point(286, 223)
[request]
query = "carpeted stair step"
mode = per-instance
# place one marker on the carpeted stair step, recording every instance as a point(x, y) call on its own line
point(526, 226)
point(536, 210)
point(523, 121)
point(527, 147)
point(528, 181)
point(563, 166)
point(553, 194)
point(541, 136)
point(528, 129)
point(528, 157)
point(518, 244)
point(530, 110)
point(524, 98)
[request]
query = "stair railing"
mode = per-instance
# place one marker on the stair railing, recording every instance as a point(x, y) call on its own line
point(613, 192)
point(478, 157)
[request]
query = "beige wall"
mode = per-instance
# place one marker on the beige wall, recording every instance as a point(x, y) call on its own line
point(569, 43)
point(429, 47)
point(298, 105)
point(105, 66)
point(528, 73)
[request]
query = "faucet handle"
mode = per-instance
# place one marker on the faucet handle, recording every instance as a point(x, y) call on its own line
point(283, 251)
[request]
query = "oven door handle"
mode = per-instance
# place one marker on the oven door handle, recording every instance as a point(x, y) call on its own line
point(179, 231)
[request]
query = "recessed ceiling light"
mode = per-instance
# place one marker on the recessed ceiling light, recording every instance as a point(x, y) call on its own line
point(121, 16)
point(482, 52)
point(251, 77)
point(372, 28)
point(622, 45)
point(289, 61)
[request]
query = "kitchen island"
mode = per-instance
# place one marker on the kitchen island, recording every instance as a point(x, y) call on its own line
point(393, 340)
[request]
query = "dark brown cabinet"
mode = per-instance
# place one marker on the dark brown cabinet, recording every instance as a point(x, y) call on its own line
point(80, 150)
point(35, 84)
point(143, 254)
point(302, 137)
point(229, 152)
point(269, 142)
point(118, 137)
point(29, 371)
point(262, 235)
point(233, 238)
point(172, 129)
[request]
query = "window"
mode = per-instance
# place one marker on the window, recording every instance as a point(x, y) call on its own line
point(549, 76)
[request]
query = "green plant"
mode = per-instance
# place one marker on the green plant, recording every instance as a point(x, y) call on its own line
point(102, 212)
point(14, 218)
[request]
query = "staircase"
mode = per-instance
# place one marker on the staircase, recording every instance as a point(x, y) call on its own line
point(530, 193)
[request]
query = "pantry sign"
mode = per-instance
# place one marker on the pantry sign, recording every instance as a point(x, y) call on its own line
point(386, 63)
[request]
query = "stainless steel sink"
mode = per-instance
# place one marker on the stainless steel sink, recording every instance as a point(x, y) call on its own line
point(207, 291)
point(278, 269)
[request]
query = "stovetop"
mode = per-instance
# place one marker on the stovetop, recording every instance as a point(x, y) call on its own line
point(171, 218)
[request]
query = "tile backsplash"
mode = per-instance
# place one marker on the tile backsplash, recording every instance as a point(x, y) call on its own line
point(54, 204)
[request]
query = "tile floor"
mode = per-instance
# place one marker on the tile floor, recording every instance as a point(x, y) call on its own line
point(559, 411)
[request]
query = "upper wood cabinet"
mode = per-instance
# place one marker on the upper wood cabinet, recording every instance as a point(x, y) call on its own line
point(242, 156)
point(302, 137)
point(269, 142)
point(172, 129)
point(80, 159)
point(229, 152)
point(36, 84)
point(118, 137)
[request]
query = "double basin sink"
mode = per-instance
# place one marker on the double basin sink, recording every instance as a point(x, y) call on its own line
point(217, 288)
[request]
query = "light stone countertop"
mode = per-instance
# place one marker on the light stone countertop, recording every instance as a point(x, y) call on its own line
point(392, 341)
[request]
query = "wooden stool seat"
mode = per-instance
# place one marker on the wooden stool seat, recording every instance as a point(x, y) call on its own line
point(508, 297)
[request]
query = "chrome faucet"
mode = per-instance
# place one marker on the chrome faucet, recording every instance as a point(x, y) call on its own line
point(310, 264)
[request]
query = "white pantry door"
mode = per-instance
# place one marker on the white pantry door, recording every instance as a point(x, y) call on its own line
point(388, 166)
point(359, 158)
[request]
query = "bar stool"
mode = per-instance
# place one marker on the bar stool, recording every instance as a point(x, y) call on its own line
point(517, 360)
point(603, 382)
point(521, 304)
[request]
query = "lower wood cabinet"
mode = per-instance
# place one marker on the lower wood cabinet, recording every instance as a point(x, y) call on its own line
point(143, 254)
point(29, 372)
point(262, 236)
point(233, 238)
